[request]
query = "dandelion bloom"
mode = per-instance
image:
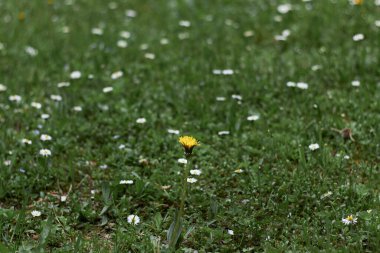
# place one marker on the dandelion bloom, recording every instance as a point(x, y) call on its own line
point(188, 143)
point(350, 219)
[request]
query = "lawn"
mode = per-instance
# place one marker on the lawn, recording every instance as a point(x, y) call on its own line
point(283, 97)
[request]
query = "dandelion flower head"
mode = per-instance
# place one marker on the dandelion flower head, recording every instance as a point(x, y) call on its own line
point(188, 143)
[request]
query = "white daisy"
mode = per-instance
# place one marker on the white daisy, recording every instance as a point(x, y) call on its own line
point(302, 85)
point(15, 98)
point(63, 198)
point(103, 166)
point(185, 23)
point(377, 23)
point(45, 137)
point(141, 121)
point(77, 108)
point(63, 84)
point(45, 116)
point(253, 117)
point(236, 97)
point(355, 83)
point(182, 160)
point(230, 232)
point(239, 171)
point(223, 132)
point(227, 72)
point(36, 105)
point(56, 98)
point(314, 146)
point(150, 56)
point(36, 213)
point(7, 162)
point(125, 34)
point(164, 41)
point(31, 51)
point(75, 74)
point(248, 33)
point(291, 84)
point(195, 172)
point(350, 219)
point(220, 99)
point(284, 8)
point(133, 219)
point(173, 131)
point(131, 13)
point(107, 89)
point(358, 37)
point(26, 141)
point(3, 87)
point(122, 43)
point(126, 182)
point(45, 152)
point(217, 71)
point(191, 180)
point(121, 146)
point(116, 75)
point(97, 31)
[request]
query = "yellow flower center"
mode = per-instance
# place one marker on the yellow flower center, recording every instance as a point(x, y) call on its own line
point(350, 218)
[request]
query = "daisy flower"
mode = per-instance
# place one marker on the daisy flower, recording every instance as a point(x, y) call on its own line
point(188, 143)
point(185, 23)
point(223, 132)
point(36, 105)
point(15, 98)
point(230, 232)
point(26, 141)
point(133, 219)
point(75, 74)
point(56, 98)
point(126, 182)
point(3, 87)
point(63, 84)
point(116, 75)
point(191, 180)
point(107, 89)
point(253, 117)
point(45, 116)
point(77, 108)
point(97, 31)
point(358, 37)
point(182, 160)
point(125, 34)
point(314, 146)
point(31, 51)
point(173, 131)
point(195, 172)
point(45, 137)
point(122, 43)
point(45, 152)
point(350, 219)
point(141, 121)
point(355, 83)
point(36, 213)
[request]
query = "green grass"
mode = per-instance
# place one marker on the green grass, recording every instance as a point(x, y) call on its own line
point(277, 204)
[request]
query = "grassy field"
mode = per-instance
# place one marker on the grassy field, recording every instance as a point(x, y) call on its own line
point(95, 92)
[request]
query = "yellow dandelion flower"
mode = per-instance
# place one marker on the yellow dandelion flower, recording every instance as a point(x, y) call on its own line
point(358, 2)
point(188, 143)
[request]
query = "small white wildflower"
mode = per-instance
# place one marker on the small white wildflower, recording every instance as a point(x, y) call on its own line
point(1, 46)
point(230, 232)
point(253, 117)
point(144, 46)
point(63, 198)
point(239, 171)
point(133, 219)
point(191, 180)
point(116, 75)
point(7, 162)
point(122, 43)
point(248, 33)
point(45, 137)
point(45, 116)
point(107, 89)
point(220, 99)
point(63, 84)
point(126, 182)
point(15, 98)
point(131, 13)
point(182, 160)
point(125, 34)
point(223, 132)
point(150, 56)
point(56, 98)
point(355, 83)
point(217, 71)
point(3, 87)
point(103, 166)
point(183, 36)
point(77, 108)
point(97, 31)
point(358, 37)
point(291, 84)
point(346, 157)
point(45, 152)
point(316, 67)
point(284, 8)
point(195, 172)
point(185, 23)
point(65, 29)
point(141, 121)
point(227, 72)
point(75, 74)
point(121, 146)
point(164, 41)
point(36, 105)
point(36, 213)
point(236, 97)
point(173, 131)
point(26, 141)
point(302, 85)
point(350, 219)
point(377, 23)
point(31, 51)
point(314, 146)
